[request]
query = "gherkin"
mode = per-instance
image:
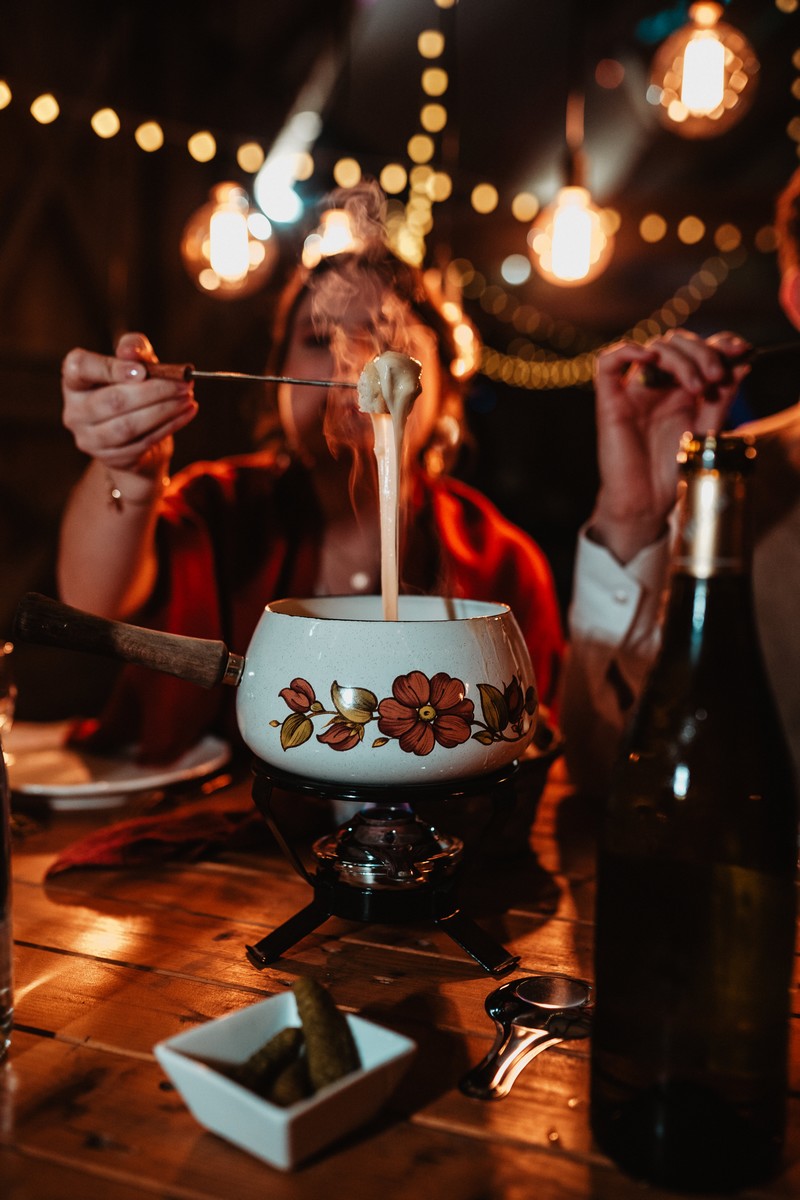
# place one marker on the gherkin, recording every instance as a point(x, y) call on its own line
point(330, 1049)
point(263, 1066)
point(291, 1084)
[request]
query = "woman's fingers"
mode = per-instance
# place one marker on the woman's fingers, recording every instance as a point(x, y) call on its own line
point(136, 346)
point(134, 453)
point(125, 427)
point(83, 369)
point(114, 411)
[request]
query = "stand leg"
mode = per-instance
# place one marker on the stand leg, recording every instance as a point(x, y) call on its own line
point(271, 947)
point(488, 953)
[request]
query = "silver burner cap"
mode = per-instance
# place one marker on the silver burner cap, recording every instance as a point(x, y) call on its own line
point(388, 847)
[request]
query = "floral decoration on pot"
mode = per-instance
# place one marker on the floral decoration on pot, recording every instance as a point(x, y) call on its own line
point(421, 713)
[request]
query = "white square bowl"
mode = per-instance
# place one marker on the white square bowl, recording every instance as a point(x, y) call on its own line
point(282, 1137)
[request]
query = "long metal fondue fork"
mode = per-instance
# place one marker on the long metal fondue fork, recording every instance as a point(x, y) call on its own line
point(187, 371)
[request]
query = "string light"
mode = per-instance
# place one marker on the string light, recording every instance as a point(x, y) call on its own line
point(149, 136)
point(347, 172)
point(428, 186)
point(250, 157)
point(202, 146)
point(105, 123)
point(532, 368)
point(45, 109)
point(484, 198)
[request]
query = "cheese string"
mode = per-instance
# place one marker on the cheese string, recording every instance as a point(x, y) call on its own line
point(387, 389)
point(388, 458)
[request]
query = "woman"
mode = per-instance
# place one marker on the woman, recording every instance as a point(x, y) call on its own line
point(202, 554)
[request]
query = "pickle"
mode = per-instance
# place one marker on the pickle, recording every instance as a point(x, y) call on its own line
point(330, 1049)
point(291, 1083)
point(263, 1066)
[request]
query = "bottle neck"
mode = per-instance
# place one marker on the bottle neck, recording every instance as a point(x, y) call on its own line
point(713, 526)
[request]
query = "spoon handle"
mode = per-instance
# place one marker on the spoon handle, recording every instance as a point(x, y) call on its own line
point(494, 1075)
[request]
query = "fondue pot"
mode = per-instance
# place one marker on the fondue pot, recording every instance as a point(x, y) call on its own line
point(330, 691)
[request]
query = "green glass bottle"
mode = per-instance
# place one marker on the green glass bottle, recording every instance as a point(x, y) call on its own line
point(696, 873)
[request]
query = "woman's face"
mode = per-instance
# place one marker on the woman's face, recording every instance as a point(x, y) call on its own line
point(316, 419)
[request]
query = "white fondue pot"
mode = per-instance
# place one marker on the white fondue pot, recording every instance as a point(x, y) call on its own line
point(330, 691)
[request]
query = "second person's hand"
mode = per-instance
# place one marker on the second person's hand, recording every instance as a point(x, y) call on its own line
point(639, 427)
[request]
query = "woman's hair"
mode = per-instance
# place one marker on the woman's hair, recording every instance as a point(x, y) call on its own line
point(376, 272)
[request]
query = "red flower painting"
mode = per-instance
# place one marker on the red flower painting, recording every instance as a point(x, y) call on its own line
point(421, 713)
point(424, 711)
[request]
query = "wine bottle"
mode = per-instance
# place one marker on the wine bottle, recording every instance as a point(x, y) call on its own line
point(696, 870)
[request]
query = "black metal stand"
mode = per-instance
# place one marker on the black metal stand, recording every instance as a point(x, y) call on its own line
point(429, 901)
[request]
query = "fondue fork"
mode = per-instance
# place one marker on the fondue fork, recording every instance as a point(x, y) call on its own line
point(187, 372)
point(656, 377)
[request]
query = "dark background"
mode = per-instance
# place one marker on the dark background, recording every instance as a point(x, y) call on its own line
point(90, 229)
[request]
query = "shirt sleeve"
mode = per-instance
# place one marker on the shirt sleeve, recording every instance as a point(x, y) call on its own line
point(614, 634)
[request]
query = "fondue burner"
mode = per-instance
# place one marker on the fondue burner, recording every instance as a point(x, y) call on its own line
point(385, 864)
point(388, 848)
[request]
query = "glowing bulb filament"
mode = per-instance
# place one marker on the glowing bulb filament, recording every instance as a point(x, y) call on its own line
point(703, 74)
point(229, 253)
point(572, 236)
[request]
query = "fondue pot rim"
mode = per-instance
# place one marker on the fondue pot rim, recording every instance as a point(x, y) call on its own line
point(355, 609)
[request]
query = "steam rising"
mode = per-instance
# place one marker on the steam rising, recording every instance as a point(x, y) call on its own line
point(355, 305)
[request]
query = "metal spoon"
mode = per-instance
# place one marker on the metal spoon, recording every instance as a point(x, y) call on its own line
point(531, 1015)
point(502, 1005)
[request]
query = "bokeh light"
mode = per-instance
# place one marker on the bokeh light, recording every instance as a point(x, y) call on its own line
point(393, 178)
point(202, 146)
point(434, 81)
point(347, 172)
point(105, 123)
point(484, 198)
point(691, 230)
point(430, 43)
point(149, 136)
point(652, 228)
point(250, 157)
point(44, 109)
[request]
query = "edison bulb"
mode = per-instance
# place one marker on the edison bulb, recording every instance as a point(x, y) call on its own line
point(703, 78)
point(570, 241)
point(227, 247)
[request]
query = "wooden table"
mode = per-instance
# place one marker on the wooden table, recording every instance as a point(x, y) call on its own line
point(110, 962)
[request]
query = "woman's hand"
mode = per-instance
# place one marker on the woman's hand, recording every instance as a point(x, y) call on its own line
point(118, 415)
point(639, 427)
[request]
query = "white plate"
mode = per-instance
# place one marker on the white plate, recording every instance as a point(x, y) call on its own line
point(41, 764)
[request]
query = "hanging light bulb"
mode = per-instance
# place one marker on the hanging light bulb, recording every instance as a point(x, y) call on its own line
point(228, 248)
point(704, 75)
point(571, 241)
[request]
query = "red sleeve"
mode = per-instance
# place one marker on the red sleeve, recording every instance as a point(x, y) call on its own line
point(224, 552)
point(489, 558)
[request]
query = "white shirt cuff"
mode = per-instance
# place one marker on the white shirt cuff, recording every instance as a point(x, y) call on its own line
point(614, 603)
